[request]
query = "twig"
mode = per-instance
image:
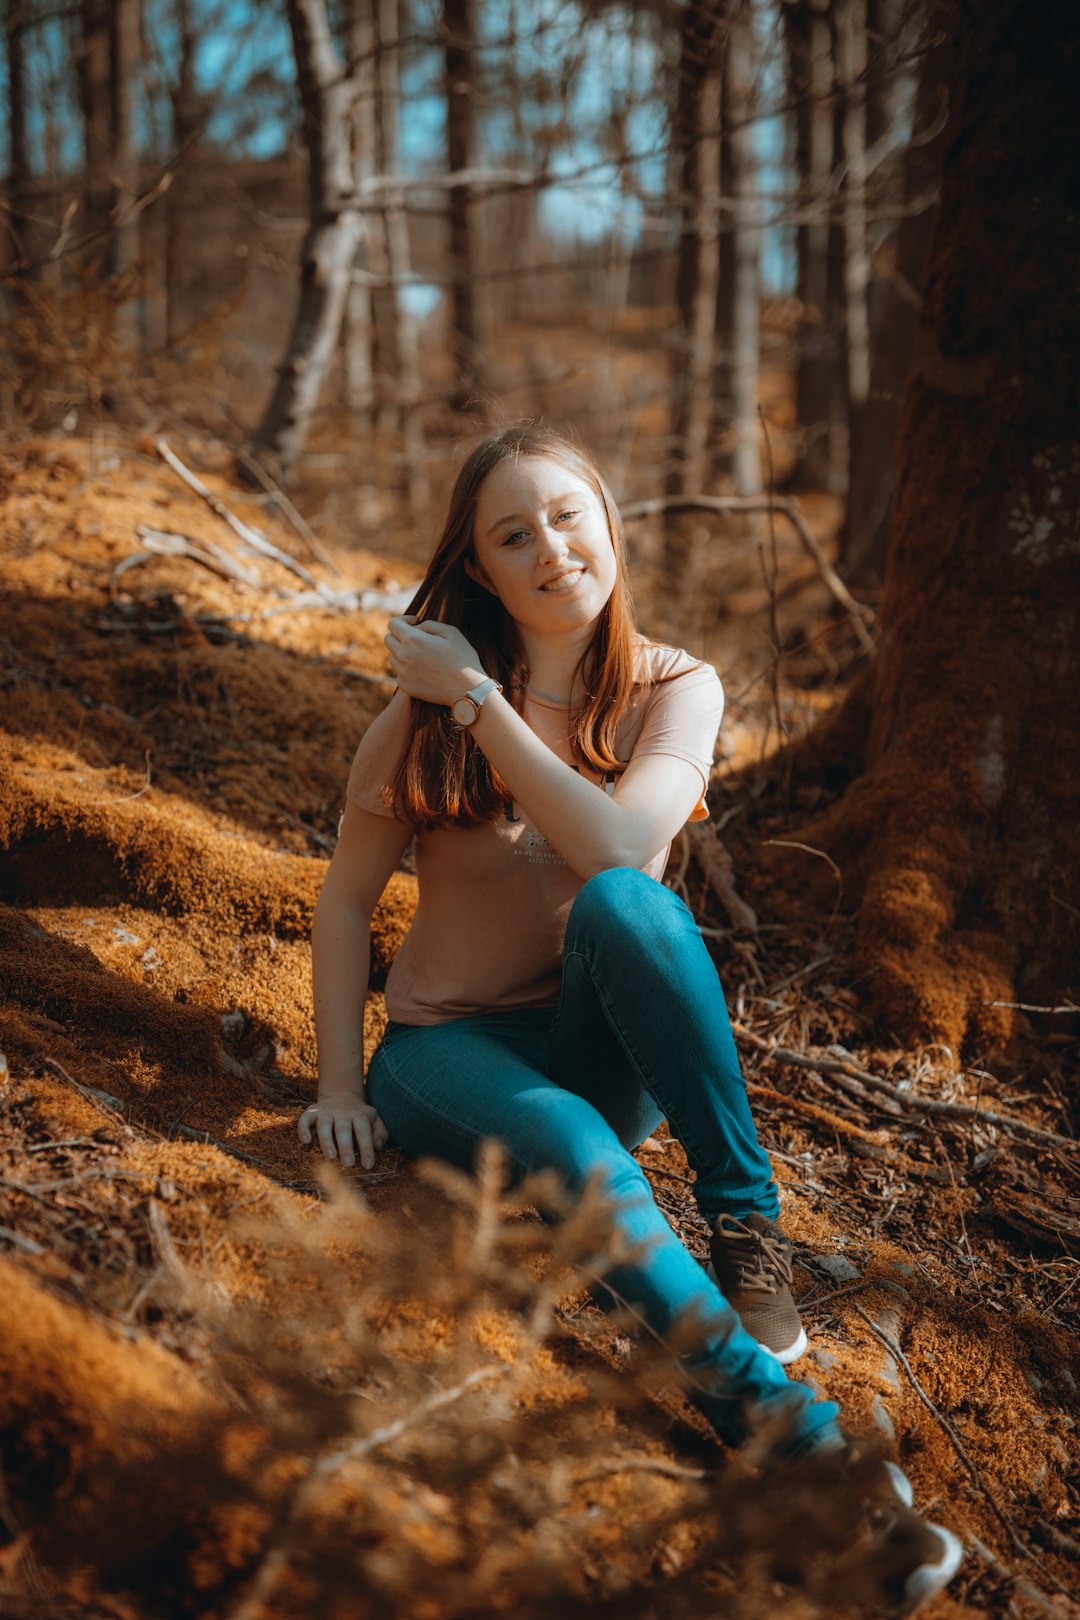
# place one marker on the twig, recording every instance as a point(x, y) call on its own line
point(251, 537)
point(900, 1101)
point(1024, 1589)
point(109, 1106)
point(715, 862)
point(641, 1465)
point(167, 543)
point(808, 849)
point(274, 1564)
point(1015, 1538)
point(788, 507)
point(297, 519)
point(20, 1242)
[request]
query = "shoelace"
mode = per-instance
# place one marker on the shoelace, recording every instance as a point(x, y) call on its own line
point(762, 1262)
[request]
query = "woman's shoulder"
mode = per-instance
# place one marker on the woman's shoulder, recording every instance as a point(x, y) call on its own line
point(656, 663)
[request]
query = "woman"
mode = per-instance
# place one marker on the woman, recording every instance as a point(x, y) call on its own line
point(551, 993)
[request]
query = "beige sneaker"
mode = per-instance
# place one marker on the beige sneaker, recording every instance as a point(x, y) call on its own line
point(751, 1266)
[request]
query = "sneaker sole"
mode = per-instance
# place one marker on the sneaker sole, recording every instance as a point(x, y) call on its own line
point(790, 1352)
point(930, 1579)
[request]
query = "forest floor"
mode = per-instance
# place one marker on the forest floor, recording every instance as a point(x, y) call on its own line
point(195, 1309)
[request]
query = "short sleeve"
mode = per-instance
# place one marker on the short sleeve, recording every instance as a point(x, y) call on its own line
point(682, 719)
point(376, 759)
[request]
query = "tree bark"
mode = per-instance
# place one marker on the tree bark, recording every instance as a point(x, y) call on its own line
point(334, 231)
point(697, 139)
point(17, 244)
point(458, 34)
point(126, 50)
point(739, 306)
point(95, 96)
point(180, 201)
point(358, 325)
point(961, 840)
point(810, 78)
point(903, 274)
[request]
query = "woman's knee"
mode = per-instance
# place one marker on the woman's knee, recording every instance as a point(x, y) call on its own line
point(622, 897)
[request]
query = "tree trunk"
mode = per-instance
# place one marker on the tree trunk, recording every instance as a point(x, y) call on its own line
point(126, 50)
point(180, 202)
point(739, 308)
point(697, 139)
point(457, 22)
point(810, 75)
point(873, 467)
point(962, 839)
point(95, 96)
point(17, 244)
point(334, 231)
point(851, 66)
point(358, 324)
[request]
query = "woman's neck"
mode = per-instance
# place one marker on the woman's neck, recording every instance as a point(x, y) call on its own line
point(554, 671)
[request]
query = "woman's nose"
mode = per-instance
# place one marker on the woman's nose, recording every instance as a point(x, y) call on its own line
point(552, 546)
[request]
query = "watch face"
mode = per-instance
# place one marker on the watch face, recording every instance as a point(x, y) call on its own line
point(464, 711)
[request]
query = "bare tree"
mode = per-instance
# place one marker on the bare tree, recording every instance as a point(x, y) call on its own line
point(458, 42)
point(335, 227)
point(19, 176)
point(180, 200)
point(739, 303)
point(696, 135)
point(902, 274)
point(961, 839)
point(126, 51)
point(819, 407)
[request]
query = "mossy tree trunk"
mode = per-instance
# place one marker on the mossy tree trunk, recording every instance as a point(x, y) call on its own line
point(961, 839)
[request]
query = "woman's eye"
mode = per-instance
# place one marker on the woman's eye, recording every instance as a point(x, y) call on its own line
point(515, 537)
point(571, 512)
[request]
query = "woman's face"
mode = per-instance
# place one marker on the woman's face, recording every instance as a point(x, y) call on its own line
point(541, 543)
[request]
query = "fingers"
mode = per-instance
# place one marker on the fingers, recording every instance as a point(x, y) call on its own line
point(336, 1133)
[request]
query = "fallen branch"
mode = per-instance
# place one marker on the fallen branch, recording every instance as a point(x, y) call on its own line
point(715, 862)
point(896, 1101)
point(297, 519)
point(251, 537)
point(788, 507)
point(166, 543)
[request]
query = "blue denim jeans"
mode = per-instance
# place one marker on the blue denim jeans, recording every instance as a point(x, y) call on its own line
point(640, 1033)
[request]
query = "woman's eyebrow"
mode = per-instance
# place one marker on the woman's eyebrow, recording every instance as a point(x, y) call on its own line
point(517, 517)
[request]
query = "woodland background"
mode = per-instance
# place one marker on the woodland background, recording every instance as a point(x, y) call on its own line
point(801, 274)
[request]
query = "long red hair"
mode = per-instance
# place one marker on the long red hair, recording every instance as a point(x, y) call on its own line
point(443, 779)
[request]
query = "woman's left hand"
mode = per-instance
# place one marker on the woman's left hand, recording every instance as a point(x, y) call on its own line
point(431, 661)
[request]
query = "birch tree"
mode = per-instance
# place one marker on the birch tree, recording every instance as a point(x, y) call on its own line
point(335, 227)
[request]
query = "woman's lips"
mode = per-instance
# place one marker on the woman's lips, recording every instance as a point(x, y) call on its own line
point(565, 582)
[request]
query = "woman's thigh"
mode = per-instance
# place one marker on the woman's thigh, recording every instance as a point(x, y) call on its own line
point(441, 1089)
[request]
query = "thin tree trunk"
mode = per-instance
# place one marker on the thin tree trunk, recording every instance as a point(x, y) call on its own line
point(810, 76)
point(334, 231)
point(95, 92)
point(873, 468)
point(358, 324)
point(960, 842)
point(458, 35)
point(126, 50)
point(697, 139)
point(18, 238)
point(851, 65)
point(180, 201)
point(741, 339)
point(395, 223)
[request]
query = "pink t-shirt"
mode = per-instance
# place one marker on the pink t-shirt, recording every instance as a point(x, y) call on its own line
point(488, 931)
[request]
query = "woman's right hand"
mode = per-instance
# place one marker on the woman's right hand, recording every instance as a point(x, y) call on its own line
point(339, 1116)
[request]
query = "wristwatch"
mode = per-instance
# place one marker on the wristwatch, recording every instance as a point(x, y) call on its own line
point(466, 709)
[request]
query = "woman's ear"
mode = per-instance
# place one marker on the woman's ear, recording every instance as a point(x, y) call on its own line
point(474, 571)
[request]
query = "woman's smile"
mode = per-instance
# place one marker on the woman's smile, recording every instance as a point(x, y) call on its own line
point(540, 527)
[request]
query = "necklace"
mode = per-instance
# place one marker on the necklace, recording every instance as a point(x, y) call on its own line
point(550, 697)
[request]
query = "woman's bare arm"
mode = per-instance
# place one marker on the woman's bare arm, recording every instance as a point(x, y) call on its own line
point(368, 851)
point(591, 830)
